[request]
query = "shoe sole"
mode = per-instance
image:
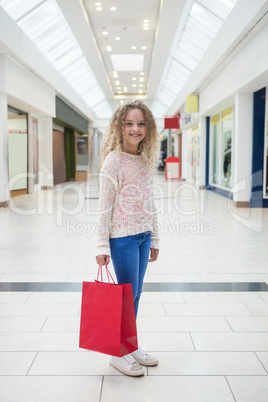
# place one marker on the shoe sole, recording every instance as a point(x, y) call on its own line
point(147, 364)
point(133, 374)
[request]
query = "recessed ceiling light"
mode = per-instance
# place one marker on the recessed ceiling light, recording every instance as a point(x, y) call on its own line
point(145, 20)
point(115, 75)
point(144, 47)
point(145, 28)
point(141, 73)
point(117, 38)
point(105, 33)
point(120, 92)
point(98, 3)
point(118, 87)
point(125, 90)
point(141, 79)
point(99, 8)
point(133, 47)
point(112, 8)
point(141, 85)
point(134, 85)
point(134, 78)
point(114, 72)
point(140, 91)
point(125, 87)
point(117, 82)
point(109, 48)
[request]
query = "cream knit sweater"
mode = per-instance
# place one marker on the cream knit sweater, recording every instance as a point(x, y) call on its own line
point(126, 205)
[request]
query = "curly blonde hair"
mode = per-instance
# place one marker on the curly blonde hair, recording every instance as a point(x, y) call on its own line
point(149, 146)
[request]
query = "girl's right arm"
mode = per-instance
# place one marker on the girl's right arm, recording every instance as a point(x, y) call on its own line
point(108, 189)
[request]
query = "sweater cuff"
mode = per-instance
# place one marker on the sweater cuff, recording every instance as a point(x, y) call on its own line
point(155, 243)
point(103, 251)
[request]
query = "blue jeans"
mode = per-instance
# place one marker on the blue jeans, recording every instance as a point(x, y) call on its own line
point(130, 257)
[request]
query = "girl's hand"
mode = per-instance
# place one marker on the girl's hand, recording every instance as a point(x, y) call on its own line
point(154, 254)
point(103, 259)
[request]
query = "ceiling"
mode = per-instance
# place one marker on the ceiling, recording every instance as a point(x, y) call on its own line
point(125, 28)
point(158, 42)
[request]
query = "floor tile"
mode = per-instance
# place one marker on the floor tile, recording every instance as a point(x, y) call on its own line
point(233, 277)
point(72, 363)
point(15, 363)
point(151, 310)
point(55, 297)
point(161, 297)
point(248, 324)
point(39, 341)
point(34, 278)
point(258, 309)
point(165, 341)
point(221, 297)
point(207, 363)
point(21, 323)
point(172, 278)
point(249, 389)
point(263, 356)
point(14, 297)
point(53, 270)
point(206, 310)
point(182, 324)
point(41, 309)
point(264, 295)
point(159, 389)
point(61, 324)
point(52, 389)
point(248, 341)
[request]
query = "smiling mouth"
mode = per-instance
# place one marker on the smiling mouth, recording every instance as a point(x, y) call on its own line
point(135, 135)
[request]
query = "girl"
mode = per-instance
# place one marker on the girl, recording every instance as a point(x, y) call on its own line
point(127, 230)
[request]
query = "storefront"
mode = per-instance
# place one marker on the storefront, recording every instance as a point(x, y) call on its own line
point(17, 151)
point(220, 152)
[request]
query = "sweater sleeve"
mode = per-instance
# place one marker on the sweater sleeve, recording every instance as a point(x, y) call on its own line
point(108, 188)
point(155, 232)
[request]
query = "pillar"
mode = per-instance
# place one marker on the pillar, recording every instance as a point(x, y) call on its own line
point(242, 149)
point(202, 155)
point(4, 190)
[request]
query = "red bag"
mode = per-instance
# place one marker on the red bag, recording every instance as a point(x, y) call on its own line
point(108, 323)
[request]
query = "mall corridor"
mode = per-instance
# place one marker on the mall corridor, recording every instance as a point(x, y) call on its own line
point(203, 312)
point(180, 86)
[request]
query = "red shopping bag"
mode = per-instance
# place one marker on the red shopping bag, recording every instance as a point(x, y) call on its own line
point(108, 323)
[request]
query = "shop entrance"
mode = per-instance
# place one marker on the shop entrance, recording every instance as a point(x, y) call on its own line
point(193, 155)
point(17, 151)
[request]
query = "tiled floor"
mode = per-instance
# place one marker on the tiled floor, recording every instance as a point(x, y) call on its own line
point(212, 346)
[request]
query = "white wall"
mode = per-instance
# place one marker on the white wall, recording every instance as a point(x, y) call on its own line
point(4, 194)
point(26, 87)
point(244, 69)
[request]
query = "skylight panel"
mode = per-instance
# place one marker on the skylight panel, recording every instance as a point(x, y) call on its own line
point(39, 18)
point(166, 96)
point(221, 8)
point(94, 97)
point(17, 8)
point(204, 17)
point(158, 108)
point(43, 22)
point(127, 62)
point(103, 109)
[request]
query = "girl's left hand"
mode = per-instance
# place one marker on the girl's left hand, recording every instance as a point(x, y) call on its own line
point(154, 254)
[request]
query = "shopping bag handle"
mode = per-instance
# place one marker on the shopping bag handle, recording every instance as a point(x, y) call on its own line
point(108, 273)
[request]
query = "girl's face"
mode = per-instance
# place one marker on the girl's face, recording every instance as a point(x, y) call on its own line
point(134, 130)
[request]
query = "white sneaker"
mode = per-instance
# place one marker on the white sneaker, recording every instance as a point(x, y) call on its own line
point(144, 358)
point(127, 365)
